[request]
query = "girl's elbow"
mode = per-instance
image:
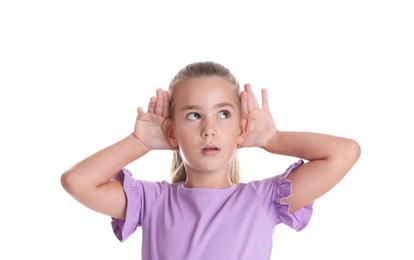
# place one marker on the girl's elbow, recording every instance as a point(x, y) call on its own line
point(65, 181)
point(351, 153)
point(355, 150)
point(69, 182)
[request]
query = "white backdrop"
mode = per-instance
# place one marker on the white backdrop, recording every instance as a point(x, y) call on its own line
point(72, 74)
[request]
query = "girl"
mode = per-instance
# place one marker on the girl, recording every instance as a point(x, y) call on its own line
point(205, 213)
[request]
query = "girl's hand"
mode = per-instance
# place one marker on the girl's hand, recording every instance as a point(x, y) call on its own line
point(148, 125)
point(261, 127)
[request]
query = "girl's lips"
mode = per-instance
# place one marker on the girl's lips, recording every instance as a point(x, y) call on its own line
point(210, 150)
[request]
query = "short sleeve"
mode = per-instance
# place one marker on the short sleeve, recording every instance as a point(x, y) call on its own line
point(124, 228)
point(299, 219)
point(141, 196)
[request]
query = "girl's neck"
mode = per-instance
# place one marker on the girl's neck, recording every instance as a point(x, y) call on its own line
point(207, 180)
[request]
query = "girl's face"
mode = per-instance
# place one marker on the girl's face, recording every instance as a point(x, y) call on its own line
point(207, 126)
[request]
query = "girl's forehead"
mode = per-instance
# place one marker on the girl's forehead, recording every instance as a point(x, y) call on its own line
point(206, 90)
point(214, 78)
point(213, 84)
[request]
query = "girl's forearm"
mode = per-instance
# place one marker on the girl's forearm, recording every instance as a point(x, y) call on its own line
point(100, 167)
point(310, 146)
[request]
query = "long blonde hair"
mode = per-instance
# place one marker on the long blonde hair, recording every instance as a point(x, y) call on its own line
point(202, 69)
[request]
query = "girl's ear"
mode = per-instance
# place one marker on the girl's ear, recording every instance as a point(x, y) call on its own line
point(244, 124)
point(168, 129)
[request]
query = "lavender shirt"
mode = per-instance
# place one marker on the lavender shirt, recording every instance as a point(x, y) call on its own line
point(203, 223)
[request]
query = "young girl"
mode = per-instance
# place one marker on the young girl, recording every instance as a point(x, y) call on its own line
point(205, 213)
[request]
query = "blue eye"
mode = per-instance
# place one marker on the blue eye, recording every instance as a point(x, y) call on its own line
point(193, 116)
point(224, 114)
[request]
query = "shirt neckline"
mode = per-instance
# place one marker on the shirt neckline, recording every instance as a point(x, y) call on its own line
point(186, 190)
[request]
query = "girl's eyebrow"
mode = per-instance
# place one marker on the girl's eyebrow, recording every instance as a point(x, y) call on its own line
point(195, 107)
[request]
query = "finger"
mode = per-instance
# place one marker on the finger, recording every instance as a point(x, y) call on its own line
point(243, 103)
point(166, 105)
point(265, 101)
point(140, 112)
point(151, 105)
point(159, 102)
point(249, 104)
point(252, 104)
point(255, 103)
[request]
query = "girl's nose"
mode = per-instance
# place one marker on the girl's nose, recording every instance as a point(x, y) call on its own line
point(208, 133)
point(208, 129)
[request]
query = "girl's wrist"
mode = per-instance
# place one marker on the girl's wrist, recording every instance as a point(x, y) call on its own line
point(137, 140)
point(271, 141)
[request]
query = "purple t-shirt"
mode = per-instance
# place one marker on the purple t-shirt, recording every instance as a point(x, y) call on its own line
point(202, 223)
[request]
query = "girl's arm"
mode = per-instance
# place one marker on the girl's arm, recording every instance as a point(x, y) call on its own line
point(90, 181)
point(329, 157)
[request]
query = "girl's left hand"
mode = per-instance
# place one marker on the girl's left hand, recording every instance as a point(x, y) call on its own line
point(260, 128)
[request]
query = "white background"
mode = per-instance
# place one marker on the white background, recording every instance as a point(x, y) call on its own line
point(72, 74)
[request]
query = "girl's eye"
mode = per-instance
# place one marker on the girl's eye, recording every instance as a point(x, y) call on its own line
point(193, 116)
point(224, 114)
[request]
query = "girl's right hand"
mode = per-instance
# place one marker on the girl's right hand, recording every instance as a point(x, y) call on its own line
point(261, 127)
point(148, 128)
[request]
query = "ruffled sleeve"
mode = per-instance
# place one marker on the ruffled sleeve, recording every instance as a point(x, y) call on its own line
point(299, 219)
point(124, 228)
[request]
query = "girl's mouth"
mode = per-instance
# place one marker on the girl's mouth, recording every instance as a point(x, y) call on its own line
point(210, 150)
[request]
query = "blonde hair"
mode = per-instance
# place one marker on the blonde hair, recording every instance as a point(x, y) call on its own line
point(202, 69)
